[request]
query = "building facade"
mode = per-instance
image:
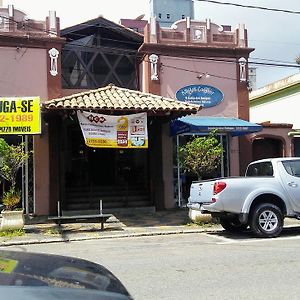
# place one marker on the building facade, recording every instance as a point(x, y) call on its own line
point(97, 54)
point(200, 62)
point(277, 103)
point(167, 12)
point(25, 43)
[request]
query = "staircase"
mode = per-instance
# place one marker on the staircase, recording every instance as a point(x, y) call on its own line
point(86, 198)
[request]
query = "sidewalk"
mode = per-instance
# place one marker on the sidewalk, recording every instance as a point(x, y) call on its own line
point(135, 224)
point(176, 221)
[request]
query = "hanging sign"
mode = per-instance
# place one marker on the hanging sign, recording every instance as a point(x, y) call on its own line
point(103, 131)
point(204, 95)
point(20, 115)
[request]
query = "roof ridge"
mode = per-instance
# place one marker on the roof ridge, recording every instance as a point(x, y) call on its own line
point(116, 98)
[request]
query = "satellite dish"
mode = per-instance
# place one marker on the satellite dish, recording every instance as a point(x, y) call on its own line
point(140, 17)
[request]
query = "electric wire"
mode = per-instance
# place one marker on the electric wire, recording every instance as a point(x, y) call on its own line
point(252, 6)
point(134, 52)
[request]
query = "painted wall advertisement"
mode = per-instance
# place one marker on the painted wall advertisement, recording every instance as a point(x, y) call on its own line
point(104, 131)
point(204, 95)
point(20, 115)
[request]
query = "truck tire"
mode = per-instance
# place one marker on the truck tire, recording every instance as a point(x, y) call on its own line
point(266, 220)
point(233, 224)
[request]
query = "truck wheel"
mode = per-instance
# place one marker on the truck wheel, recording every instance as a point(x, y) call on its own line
point(233, 224)
point(266, 220)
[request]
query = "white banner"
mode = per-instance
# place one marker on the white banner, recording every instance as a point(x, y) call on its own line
point(103, 131)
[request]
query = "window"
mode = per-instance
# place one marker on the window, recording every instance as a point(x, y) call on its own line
point(292, 167)
point(159, 15)
point(183, 17)
point(168, 16)
point(260, 169)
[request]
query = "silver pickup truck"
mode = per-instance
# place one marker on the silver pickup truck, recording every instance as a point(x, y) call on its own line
point(269, 192)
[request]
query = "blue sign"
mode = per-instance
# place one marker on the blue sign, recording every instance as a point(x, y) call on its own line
point(204, 95)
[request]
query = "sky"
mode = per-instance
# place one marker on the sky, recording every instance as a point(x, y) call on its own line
point(274, 35)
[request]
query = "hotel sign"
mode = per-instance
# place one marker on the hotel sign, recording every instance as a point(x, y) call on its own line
point(105, 131)
point(20, 115)
point(204, 95)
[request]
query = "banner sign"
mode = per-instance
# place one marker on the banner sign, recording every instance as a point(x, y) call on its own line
point(204, 95)
point(20, 115)
point(103, 131)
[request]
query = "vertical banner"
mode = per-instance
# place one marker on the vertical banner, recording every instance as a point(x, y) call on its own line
point(103, 131)
point(20, 115)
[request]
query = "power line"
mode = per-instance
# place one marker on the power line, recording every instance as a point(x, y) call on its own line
point(252, 6)
point(206, 74)
point(134, 52)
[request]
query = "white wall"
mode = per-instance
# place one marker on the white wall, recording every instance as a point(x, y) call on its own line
point(284, 110)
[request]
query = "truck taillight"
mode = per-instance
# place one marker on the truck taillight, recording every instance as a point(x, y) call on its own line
point(219, 186)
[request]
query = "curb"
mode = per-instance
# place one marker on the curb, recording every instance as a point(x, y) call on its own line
point(112, 236)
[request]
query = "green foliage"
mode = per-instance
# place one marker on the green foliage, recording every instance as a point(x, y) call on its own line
point(12, 157)
point(201, 156)
point(53, 231)
point(11, 198)
point(12, 233)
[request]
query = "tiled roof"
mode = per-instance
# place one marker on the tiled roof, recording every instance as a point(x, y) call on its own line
point(116, 98)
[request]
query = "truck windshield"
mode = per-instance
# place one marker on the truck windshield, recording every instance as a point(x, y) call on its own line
point(260, 169)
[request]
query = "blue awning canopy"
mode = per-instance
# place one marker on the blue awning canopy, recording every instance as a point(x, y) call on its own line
point(198, 125)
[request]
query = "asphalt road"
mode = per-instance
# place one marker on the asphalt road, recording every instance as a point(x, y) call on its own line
point(195, 266)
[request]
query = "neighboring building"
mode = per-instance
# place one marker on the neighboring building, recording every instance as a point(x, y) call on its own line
point(101, 66)
point(25, 66)
point(100, 55)
point(199, 63)
point(137, 24)
point(252, 79)
point(168, 12)
point(277, 103)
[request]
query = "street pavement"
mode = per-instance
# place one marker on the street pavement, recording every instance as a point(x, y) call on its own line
point(207, 265)
point(121, 225)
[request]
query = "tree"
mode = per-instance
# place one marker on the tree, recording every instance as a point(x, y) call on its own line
point(12, 157)
point(202, 155)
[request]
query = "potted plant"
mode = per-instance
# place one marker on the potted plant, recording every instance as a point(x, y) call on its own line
point(201, 157)
point(12, 157)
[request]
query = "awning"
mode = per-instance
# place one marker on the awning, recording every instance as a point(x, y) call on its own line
point(197, 124)
point(117, 99)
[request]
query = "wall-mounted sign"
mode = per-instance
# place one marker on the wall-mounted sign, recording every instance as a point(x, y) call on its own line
point(20, 115)
point(204, 95)
point(103, 131)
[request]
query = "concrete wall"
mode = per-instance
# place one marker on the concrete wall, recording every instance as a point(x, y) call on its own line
point(23, 72)
point(282, 110)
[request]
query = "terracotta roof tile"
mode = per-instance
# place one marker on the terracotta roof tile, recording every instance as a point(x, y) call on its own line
point(116, 98)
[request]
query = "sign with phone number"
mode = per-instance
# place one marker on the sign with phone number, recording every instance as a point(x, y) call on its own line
point(20, 115)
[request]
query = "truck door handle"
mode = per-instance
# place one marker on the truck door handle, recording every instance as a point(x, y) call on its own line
point(292, 184)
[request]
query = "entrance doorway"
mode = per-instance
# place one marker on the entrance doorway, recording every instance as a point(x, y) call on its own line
point(118, 177)
point(267, 148)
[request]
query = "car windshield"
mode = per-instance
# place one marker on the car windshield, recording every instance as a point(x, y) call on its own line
point(43, 270)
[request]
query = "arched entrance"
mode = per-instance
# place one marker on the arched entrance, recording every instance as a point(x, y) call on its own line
point(267, 147)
